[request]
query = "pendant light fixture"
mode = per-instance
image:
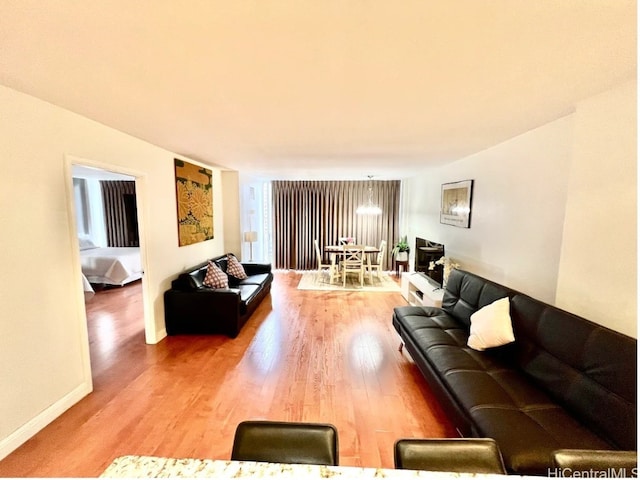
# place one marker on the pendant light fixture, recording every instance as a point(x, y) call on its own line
point(369, 208)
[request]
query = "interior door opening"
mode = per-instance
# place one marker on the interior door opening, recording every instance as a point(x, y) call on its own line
point(107, 226)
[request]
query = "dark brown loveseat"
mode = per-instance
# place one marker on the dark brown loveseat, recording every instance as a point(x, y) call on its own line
point(565, 383)
point(193, 308)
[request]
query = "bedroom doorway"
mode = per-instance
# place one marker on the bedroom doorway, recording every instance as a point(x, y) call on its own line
point(106, 205)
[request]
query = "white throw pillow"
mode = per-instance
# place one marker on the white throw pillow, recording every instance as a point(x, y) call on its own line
point(491, 326)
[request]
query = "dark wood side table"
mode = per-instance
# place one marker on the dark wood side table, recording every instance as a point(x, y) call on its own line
point(401, 263)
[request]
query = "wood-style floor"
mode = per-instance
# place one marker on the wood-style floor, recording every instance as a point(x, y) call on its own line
point(303, 356)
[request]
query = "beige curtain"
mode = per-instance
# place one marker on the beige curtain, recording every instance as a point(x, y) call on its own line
point(324, 210)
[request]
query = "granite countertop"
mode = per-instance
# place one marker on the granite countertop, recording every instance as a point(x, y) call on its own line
point(133, 466)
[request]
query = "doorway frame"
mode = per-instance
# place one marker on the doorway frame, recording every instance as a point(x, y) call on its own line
point(150, 331)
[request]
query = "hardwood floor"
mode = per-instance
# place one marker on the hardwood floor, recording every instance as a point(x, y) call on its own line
point(303, 356)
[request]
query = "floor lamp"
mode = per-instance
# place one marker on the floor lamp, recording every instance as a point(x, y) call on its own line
point(250, 237)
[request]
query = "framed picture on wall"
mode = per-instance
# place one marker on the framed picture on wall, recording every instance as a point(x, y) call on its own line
point(455, 206)
point(194, 199)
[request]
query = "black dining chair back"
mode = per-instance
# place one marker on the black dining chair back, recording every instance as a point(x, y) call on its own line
point(286, 442)
point(460, 455)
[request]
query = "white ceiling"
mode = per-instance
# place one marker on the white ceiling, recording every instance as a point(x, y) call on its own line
point(318, 89)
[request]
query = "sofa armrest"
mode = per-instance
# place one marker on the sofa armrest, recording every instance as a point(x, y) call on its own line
point(621, 461)
point(256, 268)
point(204, 310)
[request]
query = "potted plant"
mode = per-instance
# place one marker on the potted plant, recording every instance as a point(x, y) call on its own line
point(401, 249)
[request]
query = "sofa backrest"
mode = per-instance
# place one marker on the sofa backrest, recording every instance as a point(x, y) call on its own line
point(587, 368)
point(193, 279)
point(221, 262)
point(190, 280)
point(466, 293)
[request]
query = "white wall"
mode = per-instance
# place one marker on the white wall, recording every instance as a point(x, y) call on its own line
point(43, 338)
point(554, 211)
point(598, 277)
point(517, 217)
point(230, 191)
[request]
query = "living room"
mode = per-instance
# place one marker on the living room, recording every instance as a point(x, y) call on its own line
point(546, 200)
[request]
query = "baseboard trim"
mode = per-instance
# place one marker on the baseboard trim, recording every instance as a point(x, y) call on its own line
point(160, 335)
point(33, 426)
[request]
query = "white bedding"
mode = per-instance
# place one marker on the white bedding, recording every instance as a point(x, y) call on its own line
point(111, 265)
point(88, 289)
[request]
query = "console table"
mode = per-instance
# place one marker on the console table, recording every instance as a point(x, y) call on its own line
point(417, 290)
point(133, 466)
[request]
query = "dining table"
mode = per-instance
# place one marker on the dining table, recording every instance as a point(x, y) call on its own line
point(341, 250)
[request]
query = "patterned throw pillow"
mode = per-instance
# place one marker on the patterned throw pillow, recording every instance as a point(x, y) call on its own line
point(234, 267)
point(215, 278)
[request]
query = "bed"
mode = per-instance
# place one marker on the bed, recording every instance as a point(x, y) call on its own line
point(110, 265)
point(89, 292)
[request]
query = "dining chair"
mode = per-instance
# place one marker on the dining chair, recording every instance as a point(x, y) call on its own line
point(352, 262)
point(332, 266)
point(321, 266)
point(286, 442)
point(377, 263)
point(460, 455)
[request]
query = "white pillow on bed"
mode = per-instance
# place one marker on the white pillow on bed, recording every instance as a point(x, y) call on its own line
point(86, 243)
point(491, 326)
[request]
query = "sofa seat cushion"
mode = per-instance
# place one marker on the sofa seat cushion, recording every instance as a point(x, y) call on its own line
point(496, 387)
point(247, 294)
point(257, 279)
point(430, 337)
point(449, 359)
point(425, 317)
point(527, 436)
point(429, 326)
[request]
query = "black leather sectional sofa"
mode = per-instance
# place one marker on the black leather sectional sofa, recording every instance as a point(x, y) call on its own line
point(565, 383)
point(193, 308)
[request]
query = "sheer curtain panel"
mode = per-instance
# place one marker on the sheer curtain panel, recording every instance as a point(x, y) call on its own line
point(326, 210)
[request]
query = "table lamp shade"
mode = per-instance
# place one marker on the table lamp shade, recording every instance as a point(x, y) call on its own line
point(251, 236)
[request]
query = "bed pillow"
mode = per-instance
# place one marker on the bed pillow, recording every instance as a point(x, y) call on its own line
point(235, 268)
point(491, 326)
point(86, 243)
point(215, 278)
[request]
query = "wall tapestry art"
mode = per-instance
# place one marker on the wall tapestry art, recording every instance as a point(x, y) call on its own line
point(194, 197)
